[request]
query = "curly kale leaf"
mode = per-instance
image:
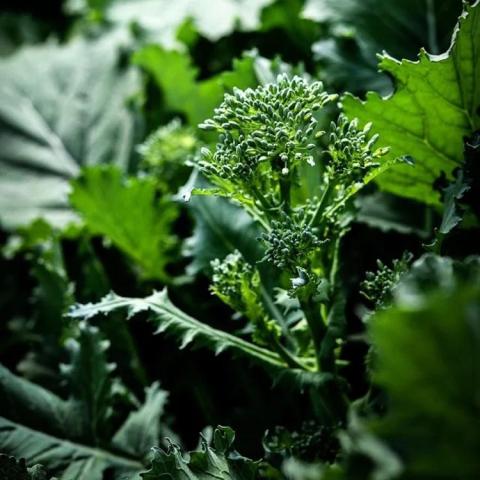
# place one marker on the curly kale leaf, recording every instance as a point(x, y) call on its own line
point(130, 213)
point(218, 461)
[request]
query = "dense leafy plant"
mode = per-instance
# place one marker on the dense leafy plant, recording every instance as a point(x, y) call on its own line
point(324, 245)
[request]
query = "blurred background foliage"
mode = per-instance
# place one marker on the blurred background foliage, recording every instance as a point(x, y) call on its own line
point(101, 71)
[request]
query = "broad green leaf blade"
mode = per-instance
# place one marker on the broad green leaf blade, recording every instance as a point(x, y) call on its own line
point(434, 106)
point(220, 229)
point(428, 361)
point(40, 243)
point(23, 401)
point(296, 470)
point(432, 272)
point(172, 320)
point(175, 75)
point(393, 213)
point(217, 461)
point(127, 212)
point(141, 430)
point(76, 461)
point(61, 107)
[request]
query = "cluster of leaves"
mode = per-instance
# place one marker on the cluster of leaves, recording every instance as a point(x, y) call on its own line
point(327, 244)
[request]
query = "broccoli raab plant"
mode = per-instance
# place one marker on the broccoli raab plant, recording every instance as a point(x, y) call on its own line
point(266, 147)
point(268, 141)
point(322, 248)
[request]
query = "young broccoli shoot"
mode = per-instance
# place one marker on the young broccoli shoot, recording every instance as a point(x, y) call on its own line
point(378, 286)
point(237, 284)
point(351, 153)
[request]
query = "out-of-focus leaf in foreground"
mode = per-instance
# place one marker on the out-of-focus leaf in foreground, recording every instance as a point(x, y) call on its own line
point(427, 357)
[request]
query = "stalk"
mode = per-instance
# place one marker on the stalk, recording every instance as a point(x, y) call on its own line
point(316, 325)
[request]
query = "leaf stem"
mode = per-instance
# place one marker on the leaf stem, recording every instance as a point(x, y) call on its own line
point(291, 360)
point(285, 184)
point(276, 314)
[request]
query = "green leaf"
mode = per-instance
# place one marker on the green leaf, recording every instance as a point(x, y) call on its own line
point(297, 470)
point(428, 361)
point(89, 377)
point(452, 212)
point(434, 106)
point(170, 319)
point(75, 460)
point(18, 30)
point(389, 212)
point(175, 75)
point(41, 245)
point(141, 430)
point(37, 425)
point(128, 213)
point(22, 401)
point(220, 228)
point(61, 107)
point(188, 330)
point(219, 461)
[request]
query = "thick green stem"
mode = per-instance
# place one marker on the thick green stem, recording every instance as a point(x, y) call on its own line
point(321, 203)
point(316, 325)
point(285, 183)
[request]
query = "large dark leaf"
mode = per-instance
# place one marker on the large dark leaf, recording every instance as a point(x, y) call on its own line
point(61, 108)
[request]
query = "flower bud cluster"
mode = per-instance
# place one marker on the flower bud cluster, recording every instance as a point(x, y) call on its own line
point(237, 283)
point(290, 242)
point(378, 286)
point(167, 151)
point(272, 124)
point(228, 276)
point(351, 153)
point(171, 143)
